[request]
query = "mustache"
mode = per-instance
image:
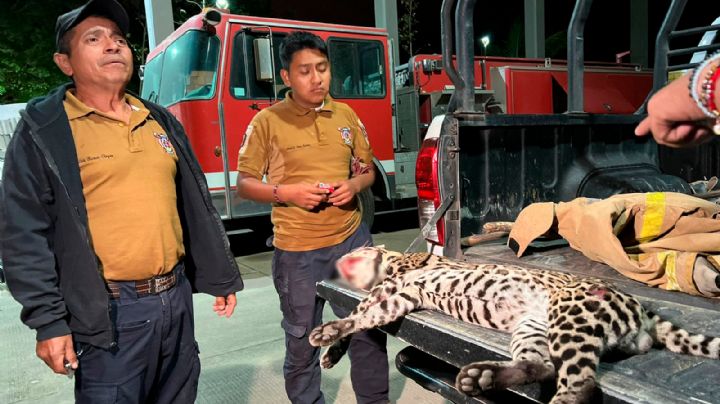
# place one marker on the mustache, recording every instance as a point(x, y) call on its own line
point(114, 59)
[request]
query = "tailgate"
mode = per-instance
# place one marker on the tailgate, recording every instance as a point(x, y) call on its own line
point(657, 377)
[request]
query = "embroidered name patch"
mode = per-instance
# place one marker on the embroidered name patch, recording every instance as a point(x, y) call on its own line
point(346, 135)
point(164, 142)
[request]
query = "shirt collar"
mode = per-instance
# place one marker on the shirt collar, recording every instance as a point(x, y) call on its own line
point(327, 105)
point(77, 109)
point(74, 107)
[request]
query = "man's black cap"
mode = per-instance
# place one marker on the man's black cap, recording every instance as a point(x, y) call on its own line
point(109, 9)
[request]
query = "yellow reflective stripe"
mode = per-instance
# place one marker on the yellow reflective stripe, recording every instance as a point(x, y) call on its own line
point(654, 216)
point(668, 259)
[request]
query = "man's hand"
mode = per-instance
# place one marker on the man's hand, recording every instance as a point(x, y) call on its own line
point(306, 196)
point(225, 305)
point(344, 192)
point(56, 352)
point(673, 118)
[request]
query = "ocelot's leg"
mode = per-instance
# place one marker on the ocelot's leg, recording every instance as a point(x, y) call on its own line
point(576, 341)
point(335, 352)
point(387, 311)
point(338, 349)
point(530, 360)
point(377, 294)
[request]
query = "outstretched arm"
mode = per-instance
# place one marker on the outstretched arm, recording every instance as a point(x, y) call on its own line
point(674, 117)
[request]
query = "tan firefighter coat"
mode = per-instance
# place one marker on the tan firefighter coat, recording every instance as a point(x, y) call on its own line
point(653, 238)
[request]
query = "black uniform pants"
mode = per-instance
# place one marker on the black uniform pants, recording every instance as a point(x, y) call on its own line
point(295, 275)
point(156, 357)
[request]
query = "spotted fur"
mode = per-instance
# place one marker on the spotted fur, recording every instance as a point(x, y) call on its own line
point(560, 323)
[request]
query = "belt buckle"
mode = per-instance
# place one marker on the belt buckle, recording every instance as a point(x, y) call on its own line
point(152, 283)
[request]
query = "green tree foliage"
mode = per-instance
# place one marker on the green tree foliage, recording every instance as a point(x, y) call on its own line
point(27, 42)
point(407, 25)
point(26, 48)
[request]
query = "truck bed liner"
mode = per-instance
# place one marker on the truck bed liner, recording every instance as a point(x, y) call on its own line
point(657, 377)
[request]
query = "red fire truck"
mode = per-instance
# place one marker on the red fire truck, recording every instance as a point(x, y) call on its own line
point(217, 70)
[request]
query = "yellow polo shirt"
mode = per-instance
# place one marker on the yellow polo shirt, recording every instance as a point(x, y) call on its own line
point(290, 144)
point(128, 176)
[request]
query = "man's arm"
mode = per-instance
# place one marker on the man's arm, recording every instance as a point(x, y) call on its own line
point(29, 262)
point(674, 119)
point(362, 170)
point(306, 196)
point(346, 190)
point(224, 305)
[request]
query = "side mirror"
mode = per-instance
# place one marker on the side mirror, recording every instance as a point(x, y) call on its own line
point(212, 17)
point(263, 60)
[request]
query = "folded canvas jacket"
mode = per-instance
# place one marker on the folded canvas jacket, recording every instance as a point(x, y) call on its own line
point(653, 238)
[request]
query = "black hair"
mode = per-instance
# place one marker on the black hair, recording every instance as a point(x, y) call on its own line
point(297, 41)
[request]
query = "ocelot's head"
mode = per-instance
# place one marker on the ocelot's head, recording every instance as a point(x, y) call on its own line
point(365, 267)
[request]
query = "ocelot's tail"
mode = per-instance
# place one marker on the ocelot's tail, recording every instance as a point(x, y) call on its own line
point(679, 340)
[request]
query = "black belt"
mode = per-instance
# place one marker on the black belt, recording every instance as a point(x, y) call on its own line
point(151, 286)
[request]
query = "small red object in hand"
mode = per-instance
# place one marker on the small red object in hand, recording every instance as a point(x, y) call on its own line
point(329, 187)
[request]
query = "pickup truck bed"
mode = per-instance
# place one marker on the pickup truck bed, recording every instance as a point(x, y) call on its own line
point(440, 344)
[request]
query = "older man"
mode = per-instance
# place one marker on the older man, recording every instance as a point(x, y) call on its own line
point(107, 225)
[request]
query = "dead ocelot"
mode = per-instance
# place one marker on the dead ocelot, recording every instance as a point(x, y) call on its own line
point(561, 324)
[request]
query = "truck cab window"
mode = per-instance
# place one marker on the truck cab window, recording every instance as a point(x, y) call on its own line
point(151, 78)
point(189, 70)
point(358, 69)
point(243, 78)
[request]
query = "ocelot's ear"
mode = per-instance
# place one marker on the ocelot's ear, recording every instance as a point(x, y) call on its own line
point(381, 246)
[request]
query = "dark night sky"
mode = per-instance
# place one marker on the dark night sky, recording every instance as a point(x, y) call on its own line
point(607, 31)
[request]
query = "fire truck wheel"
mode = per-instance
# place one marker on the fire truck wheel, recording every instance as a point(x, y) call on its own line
point(367, 206)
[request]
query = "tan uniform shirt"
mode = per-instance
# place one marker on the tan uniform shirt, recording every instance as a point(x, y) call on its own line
point(128, 177)
point(290, 144)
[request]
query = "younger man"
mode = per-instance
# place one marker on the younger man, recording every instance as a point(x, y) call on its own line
point(306, 146)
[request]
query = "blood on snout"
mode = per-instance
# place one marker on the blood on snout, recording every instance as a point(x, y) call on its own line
point(347, 266)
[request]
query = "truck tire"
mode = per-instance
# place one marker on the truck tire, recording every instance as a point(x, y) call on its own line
point(366, 201)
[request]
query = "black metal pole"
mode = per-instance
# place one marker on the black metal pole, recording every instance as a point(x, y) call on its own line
point(465, 46)
point(446, 41)
point(576, 56)
point(662, 43)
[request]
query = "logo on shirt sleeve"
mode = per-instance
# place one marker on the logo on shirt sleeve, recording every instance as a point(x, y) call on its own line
point(346, 135)
point(364, 131)
point(164, 142)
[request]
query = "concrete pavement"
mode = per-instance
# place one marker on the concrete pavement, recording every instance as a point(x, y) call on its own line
point(241, 357)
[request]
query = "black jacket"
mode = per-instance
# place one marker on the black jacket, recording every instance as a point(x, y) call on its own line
point(49, 261)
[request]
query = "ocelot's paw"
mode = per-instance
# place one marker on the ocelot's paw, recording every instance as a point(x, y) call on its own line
point(331, 357)
point(474, 378)
point(330, 332)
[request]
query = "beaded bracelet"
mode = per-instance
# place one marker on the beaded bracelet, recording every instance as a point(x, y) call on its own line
point(710, 87)
point(275, 194)
point(704, 93)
